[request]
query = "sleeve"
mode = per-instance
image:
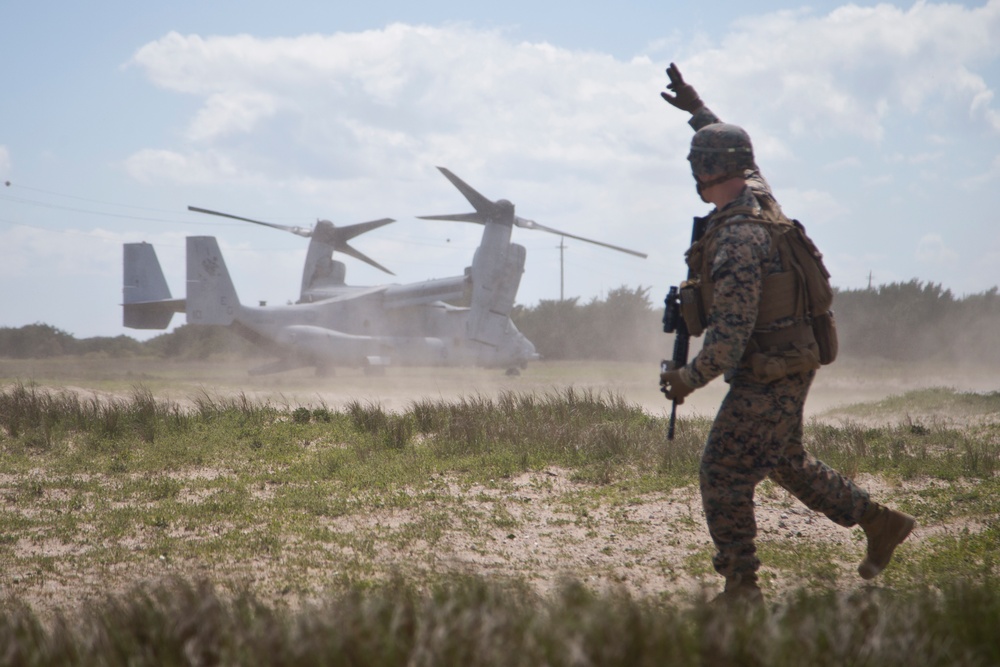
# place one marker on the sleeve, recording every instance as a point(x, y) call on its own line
point(703, 117)
point(738, 279)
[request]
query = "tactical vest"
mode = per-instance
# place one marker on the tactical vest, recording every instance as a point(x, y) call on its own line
point(794, 331)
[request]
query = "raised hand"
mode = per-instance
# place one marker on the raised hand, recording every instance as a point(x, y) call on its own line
point(685, 97)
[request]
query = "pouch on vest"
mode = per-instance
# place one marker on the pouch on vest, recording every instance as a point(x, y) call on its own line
point(692, 309)
point(808, 261)
point(825, 330)
point(774, 366)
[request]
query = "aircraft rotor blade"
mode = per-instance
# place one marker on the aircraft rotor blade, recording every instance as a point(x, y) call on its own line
point(298, 231)
point(357, 254)
point(324, 231)
point(327, 232)
point(350, 231)
point(488, 210)
point(457, 217)
point(531, 224)
point(338, 237)
point(482, 205)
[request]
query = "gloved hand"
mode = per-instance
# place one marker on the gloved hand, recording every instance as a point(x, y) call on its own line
point(686, 98)
point(672, 384)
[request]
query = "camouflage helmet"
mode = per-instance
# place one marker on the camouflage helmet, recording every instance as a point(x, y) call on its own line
point(721, 149)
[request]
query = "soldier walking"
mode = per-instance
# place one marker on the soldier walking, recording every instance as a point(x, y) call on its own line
point(760, 336)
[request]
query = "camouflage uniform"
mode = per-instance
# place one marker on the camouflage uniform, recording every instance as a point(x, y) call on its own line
point(757, 433)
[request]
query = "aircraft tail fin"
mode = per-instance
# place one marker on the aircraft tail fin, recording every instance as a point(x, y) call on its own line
point(211, 296)
point(147, 303)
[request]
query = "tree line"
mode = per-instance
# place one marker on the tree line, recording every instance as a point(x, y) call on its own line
point(908, 321)
point(900, 321)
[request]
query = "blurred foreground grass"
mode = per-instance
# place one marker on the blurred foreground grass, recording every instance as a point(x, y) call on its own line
point(473, 622)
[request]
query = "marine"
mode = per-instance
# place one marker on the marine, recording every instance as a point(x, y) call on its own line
point(763, 340)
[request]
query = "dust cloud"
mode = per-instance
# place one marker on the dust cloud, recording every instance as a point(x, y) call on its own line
point(846, 382)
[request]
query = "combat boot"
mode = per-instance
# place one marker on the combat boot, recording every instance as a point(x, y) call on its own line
point(741, 590)
point(885, 529)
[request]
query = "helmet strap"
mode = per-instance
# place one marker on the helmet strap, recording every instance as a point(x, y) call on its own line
point(704, 185)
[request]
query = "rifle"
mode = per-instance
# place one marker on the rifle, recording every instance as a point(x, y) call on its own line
point(673, 322)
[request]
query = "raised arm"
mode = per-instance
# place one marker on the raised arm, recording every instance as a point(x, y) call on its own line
point(683, 96)
point(686, 98)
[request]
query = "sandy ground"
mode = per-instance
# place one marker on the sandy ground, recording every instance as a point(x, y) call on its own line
point(655, 545)
point(647, 546)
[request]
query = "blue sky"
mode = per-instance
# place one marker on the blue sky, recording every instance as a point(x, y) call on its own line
point(877, 125)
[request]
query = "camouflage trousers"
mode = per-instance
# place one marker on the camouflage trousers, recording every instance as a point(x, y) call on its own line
point(757, 434)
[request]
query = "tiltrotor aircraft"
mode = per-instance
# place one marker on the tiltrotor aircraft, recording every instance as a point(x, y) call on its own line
point(334, 324)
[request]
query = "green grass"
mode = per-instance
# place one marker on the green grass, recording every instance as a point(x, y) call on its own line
point(267, 501)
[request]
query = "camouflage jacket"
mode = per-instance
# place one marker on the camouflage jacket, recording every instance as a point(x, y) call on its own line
point(741, 260)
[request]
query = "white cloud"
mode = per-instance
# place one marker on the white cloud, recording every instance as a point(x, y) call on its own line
point(993, 117)
point(932, 249)
point(578, 139)
point(330, 115)
point(385, 99)
point(851, 70)
point(381, 101)
point(225, 114)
